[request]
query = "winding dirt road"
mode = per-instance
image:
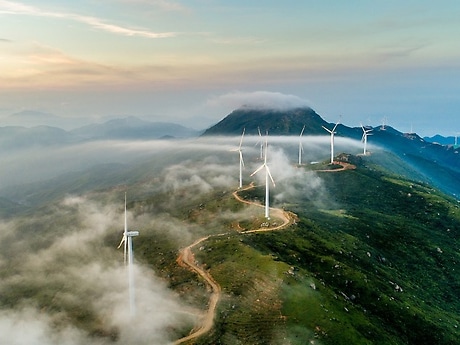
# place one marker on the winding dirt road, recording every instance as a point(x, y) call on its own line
point(187, 259)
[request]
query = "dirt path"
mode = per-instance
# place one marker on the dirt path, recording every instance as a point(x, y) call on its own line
point(187, 259)
point(287, 217)
point(345, 166)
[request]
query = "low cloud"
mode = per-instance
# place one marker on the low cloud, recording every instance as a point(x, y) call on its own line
point(57, 273)
point(258, 100)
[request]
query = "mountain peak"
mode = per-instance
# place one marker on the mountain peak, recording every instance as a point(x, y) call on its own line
point(275, 121)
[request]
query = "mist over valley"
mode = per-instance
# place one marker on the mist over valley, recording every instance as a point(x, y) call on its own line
point(369, 252)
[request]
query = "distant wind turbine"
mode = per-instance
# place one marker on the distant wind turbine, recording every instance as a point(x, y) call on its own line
point(267, 182)
point(332, 132)
point(128, 254)
point(366, 132)
point(300, 145)
point(261, 144)
point(384, 123)
point(241, 159)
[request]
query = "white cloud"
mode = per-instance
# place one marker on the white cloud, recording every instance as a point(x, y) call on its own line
point(258, 99)
point(9, 7)
point(165, 5)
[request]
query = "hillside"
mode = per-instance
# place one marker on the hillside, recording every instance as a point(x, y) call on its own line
point(372, 257)
point(375, 263)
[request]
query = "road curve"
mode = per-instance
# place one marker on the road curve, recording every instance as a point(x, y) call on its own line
point(187, 259)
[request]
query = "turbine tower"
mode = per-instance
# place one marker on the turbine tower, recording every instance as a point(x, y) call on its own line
point(127, 240)
point(332, 132)
point(267, 182)
point(366, 132)
point(300, 146)
point(241, 159)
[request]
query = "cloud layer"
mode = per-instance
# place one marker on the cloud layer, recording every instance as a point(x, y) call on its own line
point(258, 100)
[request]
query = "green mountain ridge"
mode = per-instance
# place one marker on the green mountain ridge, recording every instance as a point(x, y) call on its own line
point(440, 164)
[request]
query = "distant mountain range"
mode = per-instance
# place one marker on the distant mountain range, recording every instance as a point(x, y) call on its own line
point(439, 139)
point(132, 128)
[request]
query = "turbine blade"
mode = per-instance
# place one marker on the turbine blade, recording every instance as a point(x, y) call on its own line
point(335, 126)
point(258, 169)
point(266, 148)
point(241, 158)
point(125, 251)
point(302, 130)
point(271, 177)
point(126, 221)
point(327, 129)
point(123, 238)
point(241, 140)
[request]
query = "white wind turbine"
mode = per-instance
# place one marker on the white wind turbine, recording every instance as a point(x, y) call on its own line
point(332, 132)
point(127, 240)
point(241, 159)
point(267, 182)
point(366, 132)
point(300, 145)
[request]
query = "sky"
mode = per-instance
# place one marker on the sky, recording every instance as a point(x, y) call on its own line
point(193, 62)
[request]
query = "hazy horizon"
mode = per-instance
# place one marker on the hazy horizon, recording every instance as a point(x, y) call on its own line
point(189, 62)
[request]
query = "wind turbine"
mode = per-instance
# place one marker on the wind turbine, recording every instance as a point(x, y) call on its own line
point(300, 145)
point(127, 240)
point(332, 132)
point(241, 159)
point(366, 132)
point(384, 123)
point(267, 182)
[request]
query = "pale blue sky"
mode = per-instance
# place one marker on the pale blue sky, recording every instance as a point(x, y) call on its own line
point(192, 62)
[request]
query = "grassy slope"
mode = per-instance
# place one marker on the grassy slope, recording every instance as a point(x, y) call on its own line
point(379, 266)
